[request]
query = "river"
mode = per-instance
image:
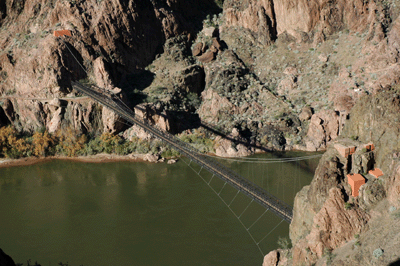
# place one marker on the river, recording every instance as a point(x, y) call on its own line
point(124, 213)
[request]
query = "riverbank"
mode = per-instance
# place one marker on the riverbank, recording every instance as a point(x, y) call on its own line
point(98, 158)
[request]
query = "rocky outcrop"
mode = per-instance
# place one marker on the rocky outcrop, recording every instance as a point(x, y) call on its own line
point(275, 258)
point(323, 128)
point(127, 36)
point(227, 148)
point(297, 17)
point(191, 79)
point(159, 118)
point(332, 227)
point(326, 218)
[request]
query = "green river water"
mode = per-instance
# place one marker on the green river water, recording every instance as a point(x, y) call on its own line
point(125, 213)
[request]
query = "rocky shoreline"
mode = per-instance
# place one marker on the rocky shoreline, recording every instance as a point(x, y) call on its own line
point(98, 158)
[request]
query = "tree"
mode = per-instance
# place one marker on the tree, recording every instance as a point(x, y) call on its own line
point(42, 142)
point(11, 145)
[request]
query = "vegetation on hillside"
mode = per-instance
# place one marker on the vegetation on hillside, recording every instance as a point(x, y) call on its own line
point(70, 143)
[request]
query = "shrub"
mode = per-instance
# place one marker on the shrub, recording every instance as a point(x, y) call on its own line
point(170, 153)
point(10, 145)
point(70, 143)
point(284, 243)
point(378, 252)
point(348, 205)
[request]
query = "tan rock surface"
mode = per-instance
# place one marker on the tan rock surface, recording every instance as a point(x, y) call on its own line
point(207, 57)
point(324, 127)
point(226, 148)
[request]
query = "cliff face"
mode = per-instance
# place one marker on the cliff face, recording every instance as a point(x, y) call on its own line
point(299, 18)
point(329, 225)
point(111, 39)
point(260, 63)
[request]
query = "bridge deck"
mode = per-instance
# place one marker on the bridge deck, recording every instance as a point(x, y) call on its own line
point(253, 191)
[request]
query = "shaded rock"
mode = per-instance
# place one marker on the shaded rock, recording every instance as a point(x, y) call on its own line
point(3, 118)
point(9, 109)
point(217, 44)
point(264, 27)
point(207, 57)
point(197, 49)
point(150, 112)
point(302, 217)
point(6, 260)
point(192, 79)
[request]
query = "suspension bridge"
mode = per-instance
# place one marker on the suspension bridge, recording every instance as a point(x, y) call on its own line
point(241, 184)
point(250, 189)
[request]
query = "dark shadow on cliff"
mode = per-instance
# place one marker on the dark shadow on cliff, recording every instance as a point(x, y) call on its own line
point(183, 121)
point(133, 84)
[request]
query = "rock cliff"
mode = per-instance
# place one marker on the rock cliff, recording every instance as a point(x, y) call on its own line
point(110, 40)
point(329, 225)
point(255, 66)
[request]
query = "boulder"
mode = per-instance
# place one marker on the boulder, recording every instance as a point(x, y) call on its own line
point(306, 113)
point(217, 44)
point(197, 49)
point(210, 32)
point(226, 148)
point(191, 79)
point(171, 161)
point(207, 57)
point(152, 158)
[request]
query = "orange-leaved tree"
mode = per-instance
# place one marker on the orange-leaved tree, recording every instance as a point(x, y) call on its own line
point(11, 145)
point(42, 143)
point(70, 142)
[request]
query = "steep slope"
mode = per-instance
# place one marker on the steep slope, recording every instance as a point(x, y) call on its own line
point(111, 39)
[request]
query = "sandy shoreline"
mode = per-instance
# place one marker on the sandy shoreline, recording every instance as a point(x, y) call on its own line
point(98, 158)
